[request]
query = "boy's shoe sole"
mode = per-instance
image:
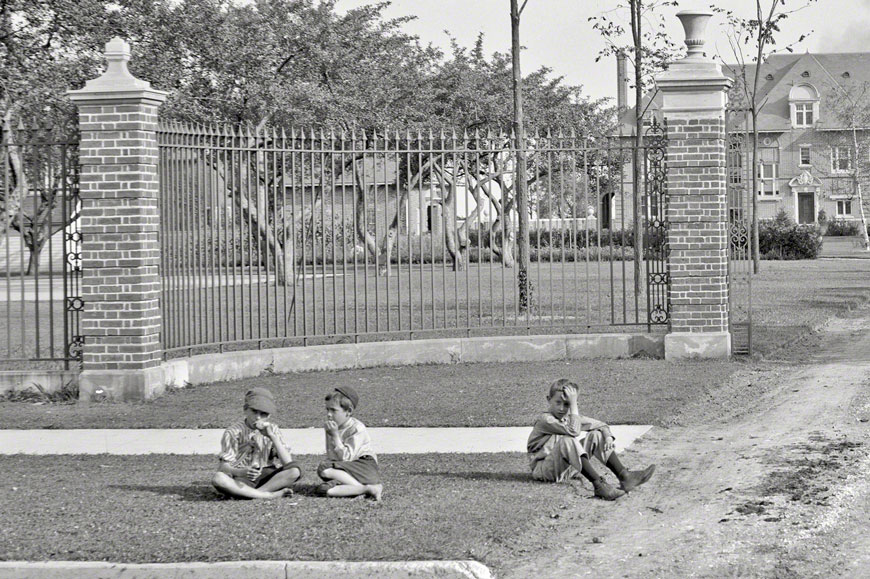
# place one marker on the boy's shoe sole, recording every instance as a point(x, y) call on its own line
point(635, 478)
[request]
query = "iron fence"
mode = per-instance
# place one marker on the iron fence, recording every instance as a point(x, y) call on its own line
point(739, 206)
point(40, 248)
point(273, 238)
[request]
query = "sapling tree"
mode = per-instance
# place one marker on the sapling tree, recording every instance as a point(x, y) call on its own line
point(755, 38)
point(645, 43)
point(850, 104)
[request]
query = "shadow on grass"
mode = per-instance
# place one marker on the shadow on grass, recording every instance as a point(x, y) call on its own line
point(192, 492)
point(496, 476)
point(205, 493)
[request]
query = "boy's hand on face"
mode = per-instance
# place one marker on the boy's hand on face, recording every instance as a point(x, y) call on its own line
point(270, 430)
point(331, 427)
point(570, 394)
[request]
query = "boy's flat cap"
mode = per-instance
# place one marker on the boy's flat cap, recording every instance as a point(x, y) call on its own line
point(349, 393)
point(260, 399)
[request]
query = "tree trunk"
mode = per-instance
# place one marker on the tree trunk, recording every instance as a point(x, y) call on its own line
point(857, 188)
point(508, 243)
point(521, 185)
point(448, 184)
point(17, 187)
point(259, 219)
point(637, 165)
point(756, 258)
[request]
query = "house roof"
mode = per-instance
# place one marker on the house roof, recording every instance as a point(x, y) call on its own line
point(829, 73)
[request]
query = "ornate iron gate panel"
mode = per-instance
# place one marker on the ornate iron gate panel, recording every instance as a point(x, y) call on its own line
point(40, 248)
point(655, 242)
point(738, 164)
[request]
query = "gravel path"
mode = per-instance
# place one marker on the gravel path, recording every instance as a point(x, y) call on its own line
point(769, 477)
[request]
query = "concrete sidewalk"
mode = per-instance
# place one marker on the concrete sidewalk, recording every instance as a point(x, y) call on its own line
point(300, 440)
point(246, 570)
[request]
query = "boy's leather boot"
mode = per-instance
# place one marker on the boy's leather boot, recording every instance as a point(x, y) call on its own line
point(605, 491)
point(635, 478)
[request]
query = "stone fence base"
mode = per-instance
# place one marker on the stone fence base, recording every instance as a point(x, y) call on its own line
point(217, 367)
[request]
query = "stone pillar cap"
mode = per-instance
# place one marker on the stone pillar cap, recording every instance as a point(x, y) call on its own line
point(695, 82)
point(117, 82)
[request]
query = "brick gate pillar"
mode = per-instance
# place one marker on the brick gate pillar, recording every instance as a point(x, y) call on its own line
point(121, 285)
point(694, 95)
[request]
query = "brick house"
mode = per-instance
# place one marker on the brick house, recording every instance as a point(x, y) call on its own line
point(806, 158)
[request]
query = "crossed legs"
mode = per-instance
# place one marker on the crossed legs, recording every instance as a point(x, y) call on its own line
point(277, 486)
point(340, 483)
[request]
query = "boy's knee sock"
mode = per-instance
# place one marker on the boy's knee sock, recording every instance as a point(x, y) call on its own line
point(616, 466)
point(588, 470)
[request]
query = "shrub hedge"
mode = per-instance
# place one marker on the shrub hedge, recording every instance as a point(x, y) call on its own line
point(843, 228)
point(781, 238)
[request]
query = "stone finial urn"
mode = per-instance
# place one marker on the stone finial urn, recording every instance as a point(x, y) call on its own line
point(695, 26)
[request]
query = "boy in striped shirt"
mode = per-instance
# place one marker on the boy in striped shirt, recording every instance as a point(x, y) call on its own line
point(254, 461)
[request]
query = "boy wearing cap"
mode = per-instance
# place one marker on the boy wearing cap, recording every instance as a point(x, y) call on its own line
point(562, 441)
point(351, 468)
point(254, 461)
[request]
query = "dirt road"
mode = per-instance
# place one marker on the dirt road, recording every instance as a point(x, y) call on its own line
point(770, 477)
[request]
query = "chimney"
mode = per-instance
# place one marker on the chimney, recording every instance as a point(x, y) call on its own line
point(621, 83)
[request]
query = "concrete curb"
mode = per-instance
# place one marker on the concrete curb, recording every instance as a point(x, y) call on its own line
point(302, 441)
point(245, 570)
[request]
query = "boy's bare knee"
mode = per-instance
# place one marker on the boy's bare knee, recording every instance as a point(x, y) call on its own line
point(219, 480)
point(323, 466)
point(294, 473)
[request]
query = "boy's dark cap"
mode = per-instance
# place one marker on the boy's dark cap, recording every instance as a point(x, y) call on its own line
point(349, 393)
point(260, 399)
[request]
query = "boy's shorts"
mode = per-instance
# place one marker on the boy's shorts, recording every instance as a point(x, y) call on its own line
point(267, 473)
point(364, 469)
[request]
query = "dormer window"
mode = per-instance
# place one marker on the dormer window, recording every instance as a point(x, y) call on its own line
point(804, 102)
point(803, 114)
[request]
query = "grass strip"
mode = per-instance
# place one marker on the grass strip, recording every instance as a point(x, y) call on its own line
point(639, 391)
point(161, 508)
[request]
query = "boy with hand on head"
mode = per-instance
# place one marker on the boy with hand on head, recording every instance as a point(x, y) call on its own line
point(351, 468)
point(562, 441)
point(254, 461)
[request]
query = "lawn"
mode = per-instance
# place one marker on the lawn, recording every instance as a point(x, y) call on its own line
point(125, 509)
point(789, 298)
point(451, 395)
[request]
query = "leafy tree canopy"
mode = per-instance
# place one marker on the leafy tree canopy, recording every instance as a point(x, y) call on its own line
point(299, 63)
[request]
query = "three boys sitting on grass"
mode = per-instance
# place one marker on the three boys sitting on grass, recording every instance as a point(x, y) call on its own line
point(256, 464)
